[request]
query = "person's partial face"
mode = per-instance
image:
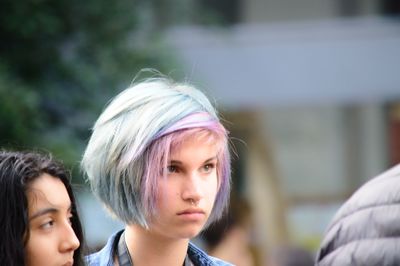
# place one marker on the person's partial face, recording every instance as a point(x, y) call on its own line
point(52, 240)
point(186, 196)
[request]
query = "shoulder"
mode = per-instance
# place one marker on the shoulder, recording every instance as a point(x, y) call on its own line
point(200, 258)
point(104, 257)
point(219, 262)
point(364, 227)
point(379, 191)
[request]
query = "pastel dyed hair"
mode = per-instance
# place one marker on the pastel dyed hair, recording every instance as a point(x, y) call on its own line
point(132, 140)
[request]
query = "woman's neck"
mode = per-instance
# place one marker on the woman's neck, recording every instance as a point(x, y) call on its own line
point(147, 248)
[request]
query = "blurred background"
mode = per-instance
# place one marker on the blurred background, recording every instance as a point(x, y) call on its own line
point(310, 91)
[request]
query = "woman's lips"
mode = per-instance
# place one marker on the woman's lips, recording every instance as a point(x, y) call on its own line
point(192, 214)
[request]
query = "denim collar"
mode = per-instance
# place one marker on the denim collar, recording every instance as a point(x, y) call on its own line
point(105, 257)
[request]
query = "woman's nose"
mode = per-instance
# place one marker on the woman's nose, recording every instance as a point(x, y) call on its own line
point(192, 188)
point(70, 241)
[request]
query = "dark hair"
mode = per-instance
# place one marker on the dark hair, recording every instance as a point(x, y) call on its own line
point(17, 171)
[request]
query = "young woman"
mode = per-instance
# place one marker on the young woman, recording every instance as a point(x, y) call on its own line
point(158, 159)
point(39, 224)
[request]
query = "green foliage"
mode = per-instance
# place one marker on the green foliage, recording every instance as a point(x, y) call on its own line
point(19, 116)
point(61, 61)
point(35, 32)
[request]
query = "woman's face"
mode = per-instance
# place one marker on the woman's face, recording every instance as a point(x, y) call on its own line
point(186, 196)
point(52, 240)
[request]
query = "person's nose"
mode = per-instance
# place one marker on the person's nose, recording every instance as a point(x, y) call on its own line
point(192, 190)
point(69, 240)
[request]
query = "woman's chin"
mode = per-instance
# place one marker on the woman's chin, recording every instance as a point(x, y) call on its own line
point(189, 233)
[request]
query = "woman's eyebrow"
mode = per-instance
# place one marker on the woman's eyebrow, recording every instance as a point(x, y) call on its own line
point(206, 161)
point(46, 211)
point(43, 212)
point(211, 159)
point(175, 162)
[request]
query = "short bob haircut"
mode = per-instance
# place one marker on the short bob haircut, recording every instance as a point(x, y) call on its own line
point(132, 140)
point(17, 171)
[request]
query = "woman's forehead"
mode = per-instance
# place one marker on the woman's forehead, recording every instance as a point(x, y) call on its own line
point(47, 190)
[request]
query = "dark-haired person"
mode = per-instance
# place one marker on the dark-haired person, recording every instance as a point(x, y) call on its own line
point(39, 224)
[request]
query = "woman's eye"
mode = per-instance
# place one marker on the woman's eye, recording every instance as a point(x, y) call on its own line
point(70, 219)
point(208, 167)
point(172, 169)
point(47, 225)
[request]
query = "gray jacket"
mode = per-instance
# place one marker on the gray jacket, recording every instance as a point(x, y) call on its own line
point(366, 229)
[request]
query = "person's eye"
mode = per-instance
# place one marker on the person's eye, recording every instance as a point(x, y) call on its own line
point(70, 218)
point(208, 167)
point(172, 169)
point(47, 225)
